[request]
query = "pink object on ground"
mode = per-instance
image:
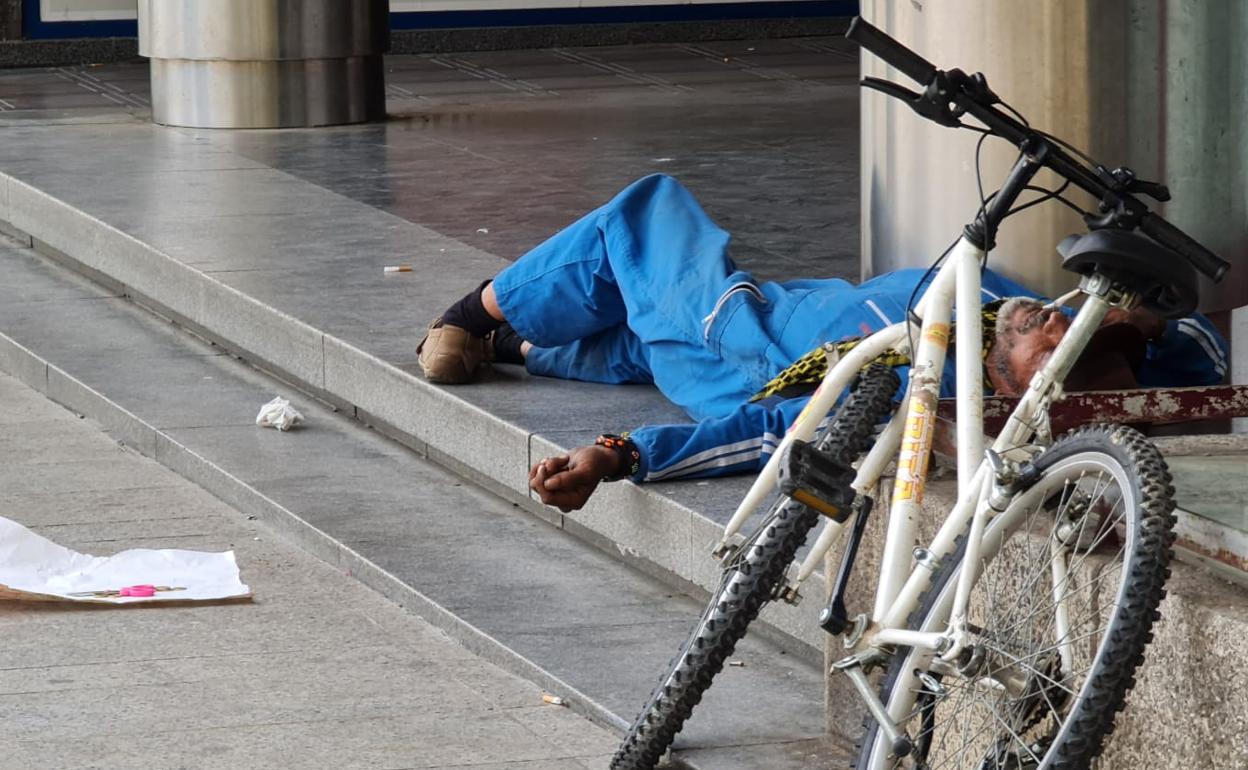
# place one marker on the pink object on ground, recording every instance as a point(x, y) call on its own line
point(143, 591)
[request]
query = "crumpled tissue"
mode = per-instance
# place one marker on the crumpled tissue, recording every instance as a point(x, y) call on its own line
point(279, 414)
point(33, 568)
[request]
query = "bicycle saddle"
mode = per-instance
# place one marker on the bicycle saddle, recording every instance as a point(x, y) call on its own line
point(1166, 283)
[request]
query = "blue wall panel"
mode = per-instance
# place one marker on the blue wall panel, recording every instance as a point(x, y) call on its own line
point(34, 28)
point(617, 14)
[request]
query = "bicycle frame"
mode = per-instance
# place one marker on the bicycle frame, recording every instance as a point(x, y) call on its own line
point(909, 435)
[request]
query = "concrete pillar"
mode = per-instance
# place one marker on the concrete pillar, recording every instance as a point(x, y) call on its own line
point(10, 19)
point(1157, 85)
point(1191, 114)
point(1239, 356)
point(265, 63)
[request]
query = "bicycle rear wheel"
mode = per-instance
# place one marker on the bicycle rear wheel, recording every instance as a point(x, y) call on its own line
point(1070, 578)
point(748, 583)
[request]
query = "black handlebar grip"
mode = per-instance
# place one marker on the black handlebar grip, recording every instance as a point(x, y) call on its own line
point(1204, 260)
point(892, 52)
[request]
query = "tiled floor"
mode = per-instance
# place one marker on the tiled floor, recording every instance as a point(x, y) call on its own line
point(500, 149)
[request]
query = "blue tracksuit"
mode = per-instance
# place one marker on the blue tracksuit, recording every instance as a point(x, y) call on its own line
point(642, 291)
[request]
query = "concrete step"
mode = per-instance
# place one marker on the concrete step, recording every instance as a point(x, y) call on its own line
point(510, 586)
point(317, 671)
point(288, 276)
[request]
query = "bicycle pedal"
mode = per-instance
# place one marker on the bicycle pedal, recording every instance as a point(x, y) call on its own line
point(817, 481)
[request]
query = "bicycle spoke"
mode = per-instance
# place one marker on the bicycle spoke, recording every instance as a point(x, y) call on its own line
point(1072, 570)
point(1045, 613)
point(1015, 601)
point(1041, 573)
point(1042, 570)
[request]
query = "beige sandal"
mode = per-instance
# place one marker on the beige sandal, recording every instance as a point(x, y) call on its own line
point(450, 355)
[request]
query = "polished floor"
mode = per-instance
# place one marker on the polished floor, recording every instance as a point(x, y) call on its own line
point(501, 149)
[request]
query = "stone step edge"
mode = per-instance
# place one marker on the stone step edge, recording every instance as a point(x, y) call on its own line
point(132, 431)
point(658, 535)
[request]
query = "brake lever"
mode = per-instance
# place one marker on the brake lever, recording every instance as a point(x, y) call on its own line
point(1123, 180)
point(930, 105)
point(889, 88)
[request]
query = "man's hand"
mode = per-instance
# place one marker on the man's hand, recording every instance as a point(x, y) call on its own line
point(567, 481)
point(1149, 323)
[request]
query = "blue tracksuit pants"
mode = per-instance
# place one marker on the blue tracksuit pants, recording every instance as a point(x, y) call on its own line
point(623, 295)
point(642, 290)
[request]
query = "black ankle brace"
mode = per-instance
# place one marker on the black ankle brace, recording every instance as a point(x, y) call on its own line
point(469, 313)
point(507, 345)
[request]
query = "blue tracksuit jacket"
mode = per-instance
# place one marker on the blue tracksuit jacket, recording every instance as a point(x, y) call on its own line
point(642, 291)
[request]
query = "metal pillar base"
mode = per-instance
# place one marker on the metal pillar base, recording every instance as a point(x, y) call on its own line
point(265, 63)
point(268, 94)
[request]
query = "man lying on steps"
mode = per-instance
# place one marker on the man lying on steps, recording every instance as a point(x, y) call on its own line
point(642, 291)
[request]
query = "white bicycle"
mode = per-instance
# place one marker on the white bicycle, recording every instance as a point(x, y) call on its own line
point(1011, 639)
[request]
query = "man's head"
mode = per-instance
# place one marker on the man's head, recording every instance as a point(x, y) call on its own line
point(1028, 332)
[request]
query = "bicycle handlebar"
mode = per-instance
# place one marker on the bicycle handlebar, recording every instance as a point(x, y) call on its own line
point(924, 72)
point(892, 52)
point(1185, 246)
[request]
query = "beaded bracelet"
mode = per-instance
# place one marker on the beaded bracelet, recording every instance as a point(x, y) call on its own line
point(626, 450)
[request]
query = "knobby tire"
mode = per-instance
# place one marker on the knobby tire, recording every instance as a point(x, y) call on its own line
point(749, 583)
point(1079, 736)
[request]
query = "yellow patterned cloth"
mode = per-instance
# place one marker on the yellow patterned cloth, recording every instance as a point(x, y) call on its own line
point(805, 374)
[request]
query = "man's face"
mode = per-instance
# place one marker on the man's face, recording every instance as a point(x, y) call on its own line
point(1036, 331)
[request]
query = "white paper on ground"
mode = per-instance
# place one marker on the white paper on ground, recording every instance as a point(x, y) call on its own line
point(279, 414)
point(35, 568)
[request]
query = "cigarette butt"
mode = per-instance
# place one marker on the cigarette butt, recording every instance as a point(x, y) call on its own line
point(398, 268)
point(737, 663)
point(554, 700)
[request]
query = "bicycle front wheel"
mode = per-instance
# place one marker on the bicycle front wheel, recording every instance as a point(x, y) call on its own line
point(1070, 577)
point(748, 583)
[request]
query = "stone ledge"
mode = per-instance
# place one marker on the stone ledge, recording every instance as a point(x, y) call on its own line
point(211, 446)
point(124, 426)
point(658, 534)
point(1189, 707)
